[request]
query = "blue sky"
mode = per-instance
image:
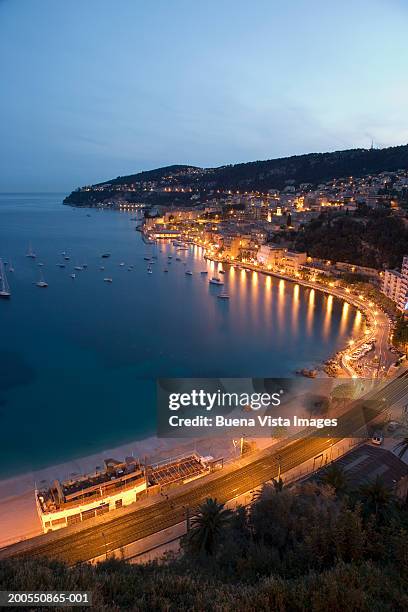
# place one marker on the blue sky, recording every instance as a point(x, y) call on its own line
point(91, 89)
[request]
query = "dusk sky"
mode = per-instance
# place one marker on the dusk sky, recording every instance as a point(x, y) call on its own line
point(91, 89)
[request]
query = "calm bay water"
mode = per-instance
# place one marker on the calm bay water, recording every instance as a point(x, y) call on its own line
point(78, 360)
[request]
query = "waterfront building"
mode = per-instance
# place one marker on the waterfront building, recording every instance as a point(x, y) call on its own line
point(395, 286)
point(119, 484)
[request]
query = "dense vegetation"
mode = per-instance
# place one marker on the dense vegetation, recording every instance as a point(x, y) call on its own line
point(370, 237)
point(314, 547)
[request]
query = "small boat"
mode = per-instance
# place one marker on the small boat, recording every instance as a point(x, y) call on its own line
point(30, 252)
point(189, 272)
point(60, 265)
point(84, 266)
point(73, 275)
point(66, 258)
point(165, 270)
point(149, 271)
point(78, 268)
point(122, 263)
point(107, 279)
point(216, 281)
point(169, 256)
point(204, 272)
point(41, 283)
point(105, 255)
point(146, 258)
point(10, 268)
point(221, 271)
point(41, 264)
point(63, 253)
point(102, 268)
point(223, 296)
point(5, 292)
point(178, 258)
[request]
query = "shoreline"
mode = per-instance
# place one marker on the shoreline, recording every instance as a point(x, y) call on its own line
point(354, 301)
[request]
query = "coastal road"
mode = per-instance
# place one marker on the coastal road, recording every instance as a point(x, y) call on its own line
point(99, 539)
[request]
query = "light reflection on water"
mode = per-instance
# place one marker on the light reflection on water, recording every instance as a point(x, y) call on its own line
point(88, 352)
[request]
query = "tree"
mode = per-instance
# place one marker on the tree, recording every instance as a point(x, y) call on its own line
point(207, 526)
point(335, 477)
point(376, 497)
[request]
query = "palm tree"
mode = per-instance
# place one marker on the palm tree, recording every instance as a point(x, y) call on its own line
point(376, 497)
point(335, 477)
point(207, 525)
point(402, 446)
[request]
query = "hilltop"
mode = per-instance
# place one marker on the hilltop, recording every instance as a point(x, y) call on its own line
point(313, 168)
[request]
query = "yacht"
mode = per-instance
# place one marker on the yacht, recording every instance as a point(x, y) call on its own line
point(216, 281)
point(41, 283)
point(4, 286)
point(30, 252)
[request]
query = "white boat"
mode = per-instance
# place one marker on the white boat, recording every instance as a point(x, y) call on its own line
point(41, 283)
point(122, 263)
point(107, 279)
point(149, 271)
point(73, 275)
point(223, 296)
point(216, 281)
point(40, 264)
point(30, 252)
point(78, 268)
point(189, 272)
point(4, 286)
point(102, 268)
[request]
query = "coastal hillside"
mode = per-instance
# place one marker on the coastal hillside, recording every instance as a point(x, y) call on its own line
point(312, 168)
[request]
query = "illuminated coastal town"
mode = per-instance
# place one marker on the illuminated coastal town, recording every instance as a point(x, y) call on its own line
point(204, 306)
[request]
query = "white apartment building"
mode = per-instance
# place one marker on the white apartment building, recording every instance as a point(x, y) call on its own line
point(395, 286)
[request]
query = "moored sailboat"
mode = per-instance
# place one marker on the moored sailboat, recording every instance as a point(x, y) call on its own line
point(4, 286)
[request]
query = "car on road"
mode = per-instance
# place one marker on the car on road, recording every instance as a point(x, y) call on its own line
point(377, 438)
